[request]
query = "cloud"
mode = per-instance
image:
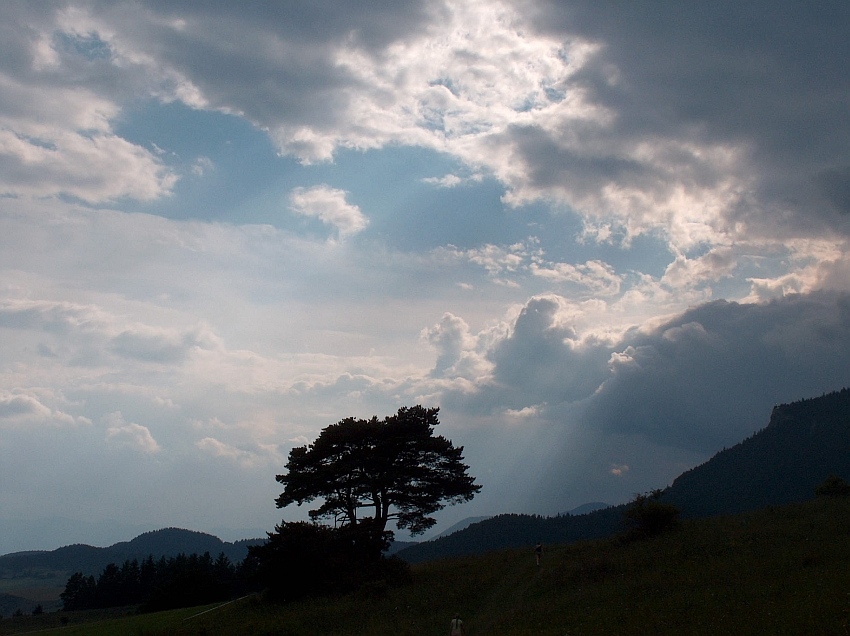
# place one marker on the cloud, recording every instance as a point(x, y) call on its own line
point(370, 76)
point(330, 207)
point(524, 413)
point(288, 82)
point(87, 332)
point(535, 360)
point(702, 379)
point(596, 276)
point(57, 133)
point(709, 377)
point(717, 263)
point(129, 435)
point(625, 116)
point(699, 82)
point(242, 457)
point(202, 165)
point(496, 259)
point(698, 381)
point(542, 360)
point(619, 470)
point(453, 180)
point(93, 169)
point(499, 261)
point(160, 345)
point(49, 316)
point(21, 408)
point(459, 352)
point(448, 181)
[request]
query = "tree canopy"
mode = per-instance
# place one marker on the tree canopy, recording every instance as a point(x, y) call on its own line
point(395, 469)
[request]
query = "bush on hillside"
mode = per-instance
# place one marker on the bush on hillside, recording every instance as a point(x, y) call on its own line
point(647, 517)
point(833, 486)
point(303, 559)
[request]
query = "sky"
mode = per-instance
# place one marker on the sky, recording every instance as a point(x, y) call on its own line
point(604, 238)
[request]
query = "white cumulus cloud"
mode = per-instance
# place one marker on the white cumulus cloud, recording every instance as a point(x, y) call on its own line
point(330, 207)
point(129, 434)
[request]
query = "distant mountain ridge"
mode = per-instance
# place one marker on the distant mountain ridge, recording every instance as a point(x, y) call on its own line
point(803, 443)
point(460, 525)
point(593, 506)
point(168, 542)
point(49, 533)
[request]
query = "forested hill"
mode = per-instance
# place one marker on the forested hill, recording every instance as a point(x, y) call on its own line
point(515, 531)
point(802, 445)
point(168, 542)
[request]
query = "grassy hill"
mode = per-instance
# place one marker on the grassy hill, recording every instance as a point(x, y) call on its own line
point(781, 570)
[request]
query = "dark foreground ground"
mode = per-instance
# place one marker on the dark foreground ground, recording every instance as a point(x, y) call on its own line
point(776, 571)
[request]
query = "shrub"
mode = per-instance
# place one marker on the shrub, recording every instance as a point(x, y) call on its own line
point(308, 559)
point(647, 517)
point(833, 486)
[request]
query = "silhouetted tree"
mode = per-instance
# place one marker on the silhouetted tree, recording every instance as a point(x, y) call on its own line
point(147, 577)
point(366, 473)
point(80, 592)
point(395, 468)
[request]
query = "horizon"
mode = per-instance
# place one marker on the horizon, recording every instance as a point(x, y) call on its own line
point(111, 532)
point(604, 242)
point(110, 528)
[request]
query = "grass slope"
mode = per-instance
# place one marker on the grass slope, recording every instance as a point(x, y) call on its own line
point(775, 571)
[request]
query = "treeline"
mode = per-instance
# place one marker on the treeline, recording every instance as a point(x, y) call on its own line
point(167, 583)
point(168, 542)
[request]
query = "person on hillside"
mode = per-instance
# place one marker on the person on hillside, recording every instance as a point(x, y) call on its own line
point(538, 552)
point(456, 627)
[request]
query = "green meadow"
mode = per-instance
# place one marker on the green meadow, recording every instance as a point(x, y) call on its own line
point(781, 570)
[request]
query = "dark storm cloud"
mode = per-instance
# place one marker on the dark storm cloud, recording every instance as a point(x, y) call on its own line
point(710, 376)
point(769, 77)
point(277, 64)
point(699, 381)
point(551, 162)
point(835, 184)
point(372, 23)
point(270, 61)
point(542, 362)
